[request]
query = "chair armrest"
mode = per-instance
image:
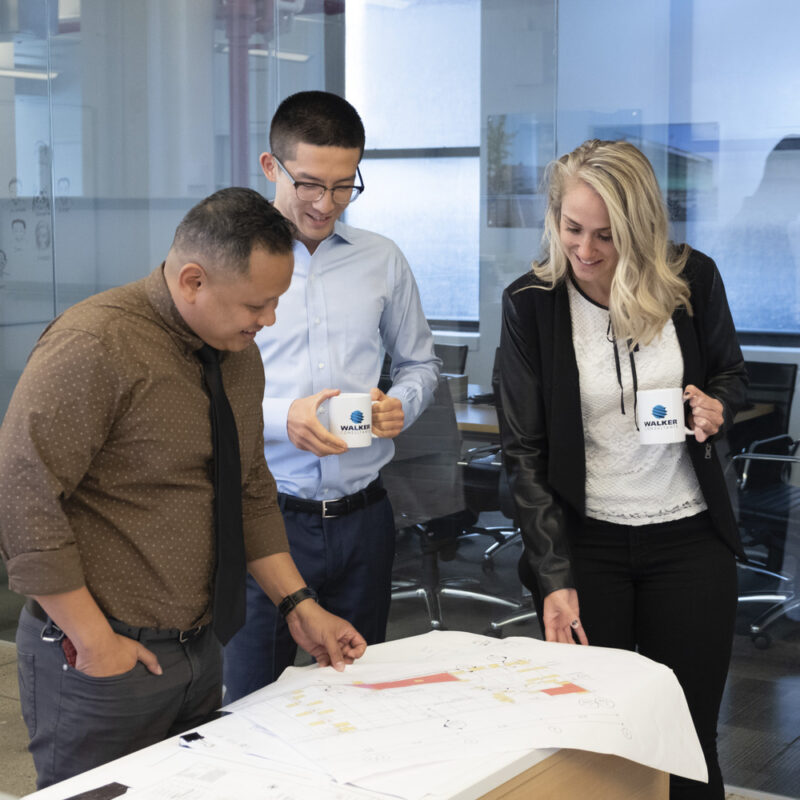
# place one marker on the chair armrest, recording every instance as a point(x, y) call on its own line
point(764, 457)
point(475, 453)
point(748, 457)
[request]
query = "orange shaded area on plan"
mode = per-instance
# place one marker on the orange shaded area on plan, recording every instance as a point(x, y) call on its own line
point(440, 677)
point(567, 688)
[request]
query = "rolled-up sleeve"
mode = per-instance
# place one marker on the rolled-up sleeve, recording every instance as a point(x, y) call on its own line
point(58, 419)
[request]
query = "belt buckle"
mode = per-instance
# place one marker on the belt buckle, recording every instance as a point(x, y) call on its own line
point(325, 514)
point(185, 636)
point(51, 633)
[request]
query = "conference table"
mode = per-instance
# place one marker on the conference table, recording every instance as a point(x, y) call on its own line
point(545, 774)
point(522, 689)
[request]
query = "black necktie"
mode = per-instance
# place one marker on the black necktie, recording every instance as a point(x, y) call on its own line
point(229, 580)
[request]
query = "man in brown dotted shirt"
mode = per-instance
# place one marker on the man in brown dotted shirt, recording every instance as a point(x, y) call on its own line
point(107, 516)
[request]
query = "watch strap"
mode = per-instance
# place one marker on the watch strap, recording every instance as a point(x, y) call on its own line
point(291, 600)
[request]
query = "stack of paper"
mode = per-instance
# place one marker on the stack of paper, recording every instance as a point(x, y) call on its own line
point(427, 718)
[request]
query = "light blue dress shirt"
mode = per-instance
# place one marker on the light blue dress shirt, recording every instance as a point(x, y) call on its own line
point(348, 301)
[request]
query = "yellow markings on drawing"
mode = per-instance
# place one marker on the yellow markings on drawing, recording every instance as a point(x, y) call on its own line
point(344, 727)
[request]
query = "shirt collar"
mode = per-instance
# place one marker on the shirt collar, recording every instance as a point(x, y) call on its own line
point(342, 234)
point(342, 231)
point(161, 300)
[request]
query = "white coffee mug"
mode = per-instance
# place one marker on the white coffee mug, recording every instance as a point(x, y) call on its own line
point(350, 418)
point(661, 416)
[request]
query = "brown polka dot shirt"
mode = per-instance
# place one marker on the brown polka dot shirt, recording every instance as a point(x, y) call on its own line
point(106, 461)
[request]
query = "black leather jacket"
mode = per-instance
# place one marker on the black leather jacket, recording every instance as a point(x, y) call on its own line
point(540, 415)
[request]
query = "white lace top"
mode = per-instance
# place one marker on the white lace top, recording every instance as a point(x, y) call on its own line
point(628, 483)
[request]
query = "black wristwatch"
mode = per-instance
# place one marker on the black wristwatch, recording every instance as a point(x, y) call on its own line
point(291, 600)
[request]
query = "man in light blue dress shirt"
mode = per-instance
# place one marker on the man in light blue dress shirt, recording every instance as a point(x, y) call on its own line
point(352, 296)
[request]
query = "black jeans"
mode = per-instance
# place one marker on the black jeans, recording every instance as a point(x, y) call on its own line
point(669, 592)
point(77, 722)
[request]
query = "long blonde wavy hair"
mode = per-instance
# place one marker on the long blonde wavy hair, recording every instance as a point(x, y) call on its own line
point(647, 286)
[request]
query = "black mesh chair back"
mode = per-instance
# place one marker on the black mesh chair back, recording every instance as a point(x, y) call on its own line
point(423, 479)
point(454, 358)
point(771, 383)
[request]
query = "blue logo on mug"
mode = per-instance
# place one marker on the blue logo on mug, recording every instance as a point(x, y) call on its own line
point(659, 412)
point(357, 416)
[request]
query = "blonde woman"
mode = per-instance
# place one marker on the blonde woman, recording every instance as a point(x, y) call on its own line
point(626, 545)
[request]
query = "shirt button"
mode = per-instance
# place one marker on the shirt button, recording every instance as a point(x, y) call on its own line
point(316, 320)
point(321, 365)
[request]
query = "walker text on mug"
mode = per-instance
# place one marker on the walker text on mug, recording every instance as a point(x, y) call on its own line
point(356, 417)
point(659, 412)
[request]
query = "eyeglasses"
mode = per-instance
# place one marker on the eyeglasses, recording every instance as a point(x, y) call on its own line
point(312, 192)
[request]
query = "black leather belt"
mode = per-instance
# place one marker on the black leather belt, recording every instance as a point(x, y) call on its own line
point(130, 631)
point(328, 509)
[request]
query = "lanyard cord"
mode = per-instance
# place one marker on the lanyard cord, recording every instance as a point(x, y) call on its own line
point(613, 339)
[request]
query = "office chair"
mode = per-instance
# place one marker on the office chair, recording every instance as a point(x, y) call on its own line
point(426, 488)
point(772, 383)
point(486, 486)
point(454, 358)
point(486, 489)
point(769, 515)
point(485, 483)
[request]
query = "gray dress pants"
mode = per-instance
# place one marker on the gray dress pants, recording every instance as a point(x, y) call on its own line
point(77, 722)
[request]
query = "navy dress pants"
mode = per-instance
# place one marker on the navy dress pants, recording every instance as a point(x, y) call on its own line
point(668, 591)
point(347, 560)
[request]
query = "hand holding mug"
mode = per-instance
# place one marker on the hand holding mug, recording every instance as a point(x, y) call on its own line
point(705, 415)
point(305, 430)
point(387, 415)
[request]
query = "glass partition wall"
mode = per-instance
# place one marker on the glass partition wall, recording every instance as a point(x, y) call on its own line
point(119, 116)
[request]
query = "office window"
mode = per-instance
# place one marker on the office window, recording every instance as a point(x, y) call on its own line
point(117, 117)
point(714, 101)
point(413, 72)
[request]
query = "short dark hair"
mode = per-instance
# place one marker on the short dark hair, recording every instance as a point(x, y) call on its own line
point(319, 118)
point(222, 230)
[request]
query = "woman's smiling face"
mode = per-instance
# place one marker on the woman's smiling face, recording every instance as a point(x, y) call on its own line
point(585, 233)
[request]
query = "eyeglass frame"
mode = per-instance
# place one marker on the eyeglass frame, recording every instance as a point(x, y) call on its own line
point(297, 184)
